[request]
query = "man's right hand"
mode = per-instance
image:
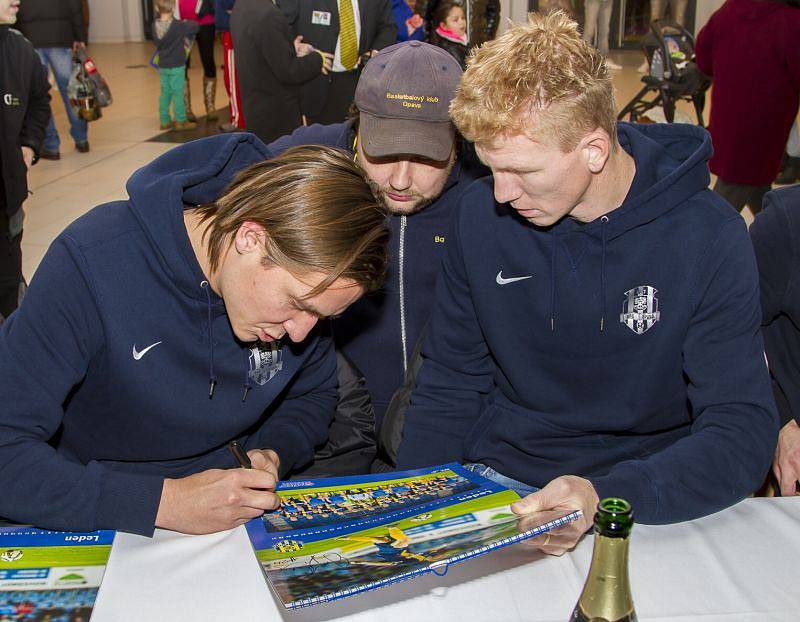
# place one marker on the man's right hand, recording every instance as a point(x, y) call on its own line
point(565, 493)
point(215, 500)
point(327, 61)
point(786, 464)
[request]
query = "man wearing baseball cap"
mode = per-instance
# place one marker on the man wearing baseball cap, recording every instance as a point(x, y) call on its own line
point(401, 135)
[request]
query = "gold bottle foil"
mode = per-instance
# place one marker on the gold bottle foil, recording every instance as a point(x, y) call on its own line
point(606, 596)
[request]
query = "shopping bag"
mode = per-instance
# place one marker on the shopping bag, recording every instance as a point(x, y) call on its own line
point(80, 92)
point(99, 85)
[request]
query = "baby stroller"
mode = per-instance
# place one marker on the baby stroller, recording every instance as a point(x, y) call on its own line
point(673, 74)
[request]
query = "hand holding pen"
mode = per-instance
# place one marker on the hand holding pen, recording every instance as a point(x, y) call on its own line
point(219, 499)
point(261, 459)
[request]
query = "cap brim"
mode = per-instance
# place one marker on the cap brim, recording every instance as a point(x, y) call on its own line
point(392, 137)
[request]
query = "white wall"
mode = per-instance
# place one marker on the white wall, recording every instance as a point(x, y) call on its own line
point(114, 21)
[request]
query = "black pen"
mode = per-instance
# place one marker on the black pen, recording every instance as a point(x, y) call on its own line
point(241, 456)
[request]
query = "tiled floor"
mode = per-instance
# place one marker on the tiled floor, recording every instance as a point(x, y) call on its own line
point(64, 190)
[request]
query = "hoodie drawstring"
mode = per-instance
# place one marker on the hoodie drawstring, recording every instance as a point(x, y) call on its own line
point(247, 384)
point(553, 255)
point(603, 222)
point(212, 379)
point(553, 281)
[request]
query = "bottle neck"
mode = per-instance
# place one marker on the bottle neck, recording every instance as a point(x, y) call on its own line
point(607, 592)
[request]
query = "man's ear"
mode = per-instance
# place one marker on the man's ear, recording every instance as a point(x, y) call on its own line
point(597, 149)
point(249, 237)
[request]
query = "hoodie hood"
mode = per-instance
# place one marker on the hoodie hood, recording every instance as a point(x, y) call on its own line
point(174, 179)
point(671, 166)
point(193, 174)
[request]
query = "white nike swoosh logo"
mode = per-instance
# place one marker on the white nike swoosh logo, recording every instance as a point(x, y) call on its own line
point(138, 355)
point(501, 281)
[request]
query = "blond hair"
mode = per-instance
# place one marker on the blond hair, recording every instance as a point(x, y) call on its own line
point(538, 78)
point(319, 212)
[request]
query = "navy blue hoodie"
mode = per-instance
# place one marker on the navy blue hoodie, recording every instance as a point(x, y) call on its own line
point(669, 406)
point(105, 368)
point(379, 332)
point(776, 239)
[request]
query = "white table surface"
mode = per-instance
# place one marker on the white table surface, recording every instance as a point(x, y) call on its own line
point(741, 564)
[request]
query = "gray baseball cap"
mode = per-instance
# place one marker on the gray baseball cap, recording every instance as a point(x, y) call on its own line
point(403, 98)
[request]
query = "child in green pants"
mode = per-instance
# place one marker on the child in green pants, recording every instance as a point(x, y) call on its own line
point(172, 37)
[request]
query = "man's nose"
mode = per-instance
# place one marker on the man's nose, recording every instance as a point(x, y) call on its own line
point(299, 326)
point(505, 188)
point(401, 175)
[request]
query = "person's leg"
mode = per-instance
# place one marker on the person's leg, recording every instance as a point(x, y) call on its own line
point(678, 8)
point(591, 10)
point(656, 9)
point(756, 200)
point(232, 82)
point(177, 79)
point(164, 97)
point(205, 41)
point(187, 91)
point(238, 119)
point(61, 62)
point(10, 268)
point(738, 195)
point(52, 142)
point(793, 144)
point(603, 27)
point(790, 167)
point(227, 48)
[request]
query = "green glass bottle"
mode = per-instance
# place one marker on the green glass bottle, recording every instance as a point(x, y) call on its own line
point(606, 595)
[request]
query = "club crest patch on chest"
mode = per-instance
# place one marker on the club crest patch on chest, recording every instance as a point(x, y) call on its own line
point(266, 360)
point(640, 309)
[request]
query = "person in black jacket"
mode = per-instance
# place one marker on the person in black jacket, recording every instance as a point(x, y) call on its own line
point(776, 239)
point(24, 112)
point(55, 27)
point(322, 23)
point(271, 68)
point(451, 31)
point(483, 17)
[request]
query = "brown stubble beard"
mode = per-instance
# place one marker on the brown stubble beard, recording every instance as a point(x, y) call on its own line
point(420, 202)
point(418, 205)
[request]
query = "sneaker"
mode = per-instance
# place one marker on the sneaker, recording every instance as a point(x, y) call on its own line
point(82, 147)
point(227, 128)
point(49, 155)
point(184, 125)
point(165, 126)
point(612, 65)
